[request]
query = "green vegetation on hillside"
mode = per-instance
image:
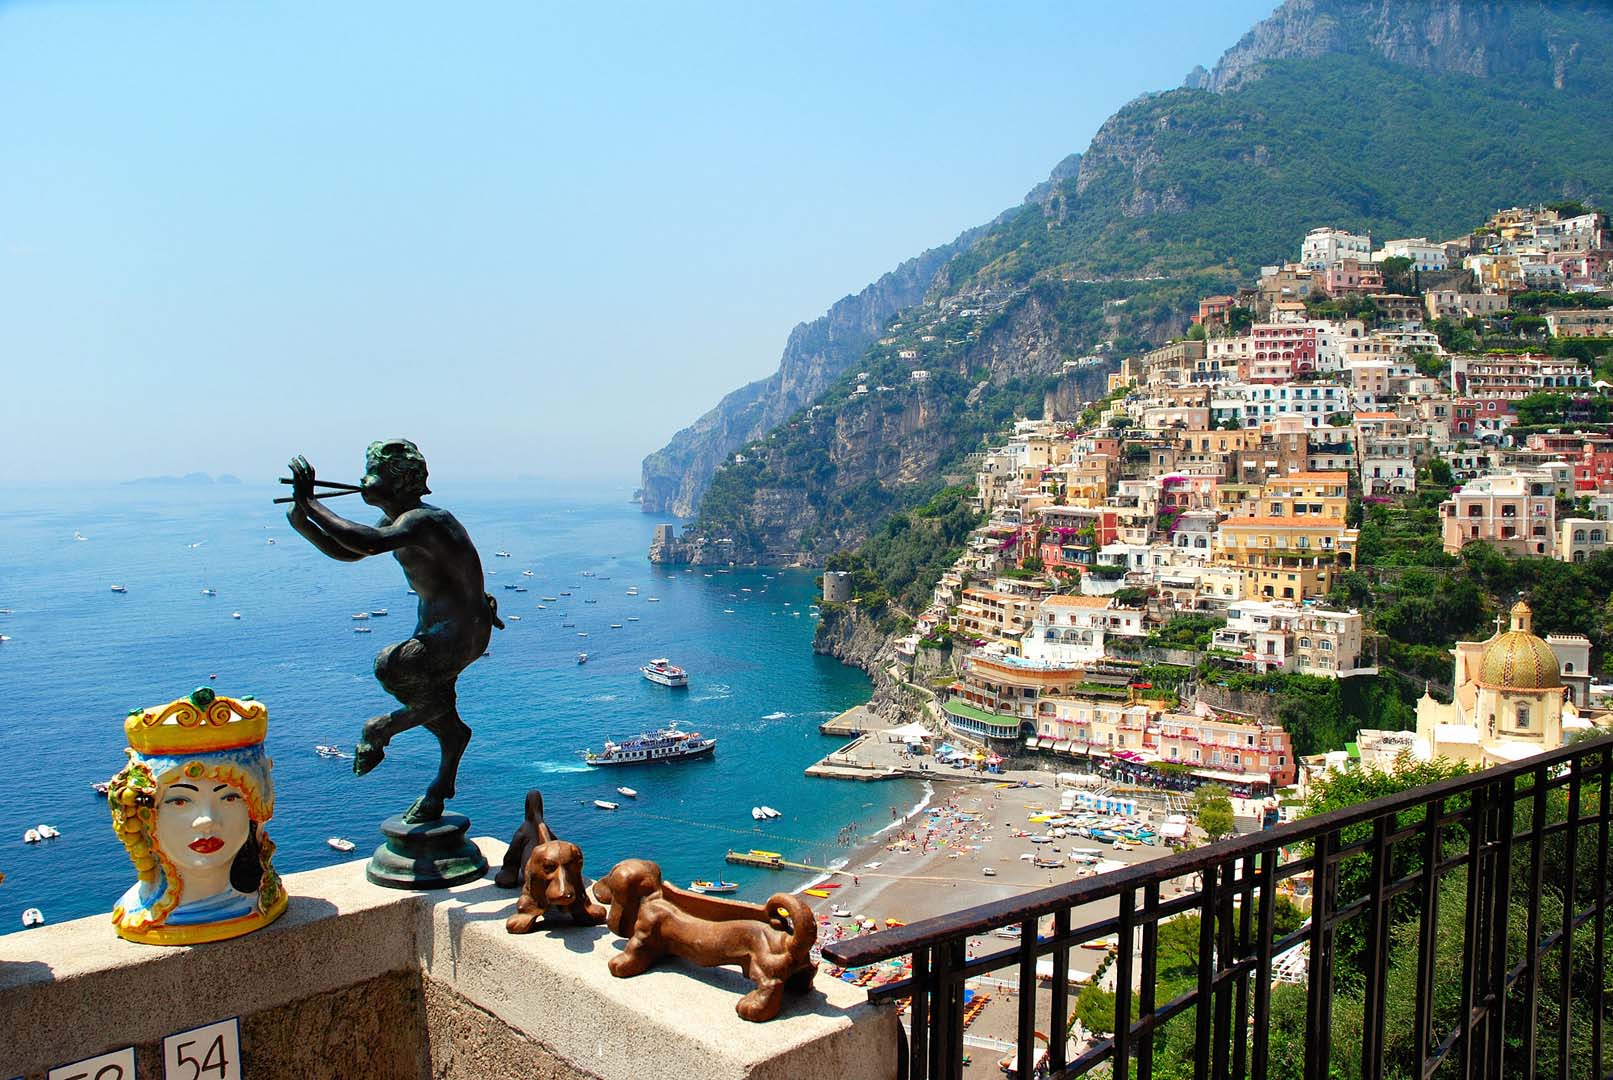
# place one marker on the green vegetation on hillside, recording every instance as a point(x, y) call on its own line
point(908, 555)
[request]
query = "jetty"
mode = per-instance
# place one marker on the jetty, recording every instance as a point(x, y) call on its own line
point(772, 860)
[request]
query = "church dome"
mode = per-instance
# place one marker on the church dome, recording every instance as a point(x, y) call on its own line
point(1517, 659)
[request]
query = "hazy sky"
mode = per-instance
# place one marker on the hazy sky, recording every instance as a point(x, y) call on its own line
point(536, 239)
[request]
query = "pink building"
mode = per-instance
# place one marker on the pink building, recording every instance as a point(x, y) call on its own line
point(1281, 351)
point(1352, 277)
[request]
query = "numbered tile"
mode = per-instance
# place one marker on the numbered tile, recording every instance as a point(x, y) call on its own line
point(205, 1053)
point(115, 1065)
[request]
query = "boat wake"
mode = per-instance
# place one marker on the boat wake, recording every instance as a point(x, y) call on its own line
point(603, 697)
point(776, 716)
point(556, 767)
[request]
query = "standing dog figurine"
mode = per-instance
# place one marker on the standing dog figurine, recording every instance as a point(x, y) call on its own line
point(553, 881)
point(772, 944)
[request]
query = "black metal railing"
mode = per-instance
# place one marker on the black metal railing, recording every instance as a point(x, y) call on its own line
point(1457, 928)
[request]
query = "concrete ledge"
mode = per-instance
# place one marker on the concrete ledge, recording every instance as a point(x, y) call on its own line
point(73, 990)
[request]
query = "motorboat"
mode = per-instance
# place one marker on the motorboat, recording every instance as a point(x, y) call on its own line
point(653, 599)
point(632, 618)
point(31, 837)
point(668, 744)
point(615, 626)
point(78, 535)
point(510, 587)
point(756, 812)
point(632, 590)
point(769, 812)
point(714, 886)
point(502, 555)
point(117, 589)
point(840, 912)
point(331, 751)
point(582, 658)
point(101, 787)
point(209, 592)
point(235, 614)
point(629, 792)
point(361, 630)
point(48, 832)
point(604, 805)
point(526, 573)
point(379, 613)
point(550, 599)
point(360, 616)
point(582, 633)
point(664, 671)
point(339, 844)
point(513, 618)
point(987, 871)
point(32, 917)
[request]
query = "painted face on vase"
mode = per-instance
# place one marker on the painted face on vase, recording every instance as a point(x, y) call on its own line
point(201, 827)
point(191, 808)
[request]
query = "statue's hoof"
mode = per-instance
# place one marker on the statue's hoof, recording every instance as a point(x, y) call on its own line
point(366, 757)
point(425, 808)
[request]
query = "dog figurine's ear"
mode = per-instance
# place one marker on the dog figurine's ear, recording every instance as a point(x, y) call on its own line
point(533, 830)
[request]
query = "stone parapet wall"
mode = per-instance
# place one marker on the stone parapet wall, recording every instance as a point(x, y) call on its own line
point(360, 982)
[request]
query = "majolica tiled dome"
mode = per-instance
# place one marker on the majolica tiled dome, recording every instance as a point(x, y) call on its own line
point(1517, 659)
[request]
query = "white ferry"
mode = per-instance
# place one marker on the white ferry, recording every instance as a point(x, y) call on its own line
point(668, 744)
point(664, 671)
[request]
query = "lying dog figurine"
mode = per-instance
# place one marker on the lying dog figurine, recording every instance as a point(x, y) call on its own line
point(772, 944)
point(553, 881)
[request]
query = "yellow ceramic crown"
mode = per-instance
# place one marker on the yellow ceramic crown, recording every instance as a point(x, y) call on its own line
point(198, 724)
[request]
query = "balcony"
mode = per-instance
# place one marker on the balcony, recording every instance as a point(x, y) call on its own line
point(1455, 929)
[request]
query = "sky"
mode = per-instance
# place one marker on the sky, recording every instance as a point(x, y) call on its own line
point(536, 239)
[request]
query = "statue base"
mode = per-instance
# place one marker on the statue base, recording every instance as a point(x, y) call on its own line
point(430, 855)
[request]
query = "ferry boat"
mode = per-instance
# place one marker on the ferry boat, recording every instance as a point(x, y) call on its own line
point(668, 744)
point(664, 671)
point(714, 886)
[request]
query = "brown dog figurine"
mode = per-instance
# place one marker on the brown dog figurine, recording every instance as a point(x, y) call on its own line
point(554, 881)
point(772, 944)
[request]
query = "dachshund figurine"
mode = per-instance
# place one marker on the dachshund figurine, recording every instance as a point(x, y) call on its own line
point(772, 944)
point(552, 877)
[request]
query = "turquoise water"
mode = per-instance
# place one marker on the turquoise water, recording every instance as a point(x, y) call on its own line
point(80, 657)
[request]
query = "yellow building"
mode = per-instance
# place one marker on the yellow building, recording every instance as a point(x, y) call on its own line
point(1509, 701)
point(1289, 541)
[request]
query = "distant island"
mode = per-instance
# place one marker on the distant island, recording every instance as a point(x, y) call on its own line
point(189, 479)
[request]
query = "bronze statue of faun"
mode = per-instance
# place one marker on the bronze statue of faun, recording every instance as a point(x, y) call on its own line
point(456, 614)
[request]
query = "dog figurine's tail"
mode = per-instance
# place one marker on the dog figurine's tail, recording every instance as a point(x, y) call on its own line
point(789, 914)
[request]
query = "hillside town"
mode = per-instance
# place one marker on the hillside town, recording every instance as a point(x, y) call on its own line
point(1149, 577)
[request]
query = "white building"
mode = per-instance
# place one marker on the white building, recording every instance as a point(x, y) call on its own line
point(1325, 247)
point(1274, 635)
point(1424, 255)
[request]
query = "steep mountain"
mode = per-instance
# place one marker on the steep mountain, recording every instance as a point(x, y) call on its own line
point(675, 476)
point(1390, 116)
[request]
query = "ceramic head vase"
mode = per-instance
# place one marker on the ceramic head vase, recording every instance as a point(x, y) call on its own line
point(191, 808)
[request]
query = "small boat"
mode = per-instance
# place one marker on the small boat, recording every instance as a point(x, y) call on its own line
point(582, 658)
point(711, 887)
point(235, 614)
point(209, 592)
point(543, 607)
point(988, 871)
point(526, 573)
point(513, 618)
point(563, 592)
point(633, 591)
point(4, 638)
point(33, 917)
point(48, 832)
point(101, 787)
point(361, 630)
point(31, 837)
point(629, 792)
point(603, 805)
point(78, 535)
point(361, 615)
point(756, 812)
point(839, 912)
point(117, 589)
point(510, 586)
point(550, 599)
point(271, 539)
point(379, 613)
point(615, 626)
point(567, 625)
point(339, 844)
point(727, 611)
point(587, 573)
point(590, 601)
point(664, 671)
point(819, 893)
point(520, 588)
point(632, 618)
point(582, 633)
point(331, 751)
point(653, 599)
point(501, 555)
point(769, 812)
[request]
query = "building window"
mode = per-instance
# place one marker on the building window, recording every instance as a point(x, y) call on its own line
point(1523, 717)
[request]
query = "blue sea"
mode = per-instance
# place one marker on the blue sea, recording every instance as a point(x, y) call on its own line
point(81, 656)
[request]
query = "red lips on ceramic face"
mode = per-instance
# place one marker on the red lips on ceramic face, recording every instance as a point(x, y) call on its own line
point(206, 845)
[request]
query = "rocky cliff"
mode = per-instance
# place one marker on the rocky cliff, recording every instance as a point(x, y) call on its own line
point(676, 476)
point(850, 636)
point(1522, 42)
